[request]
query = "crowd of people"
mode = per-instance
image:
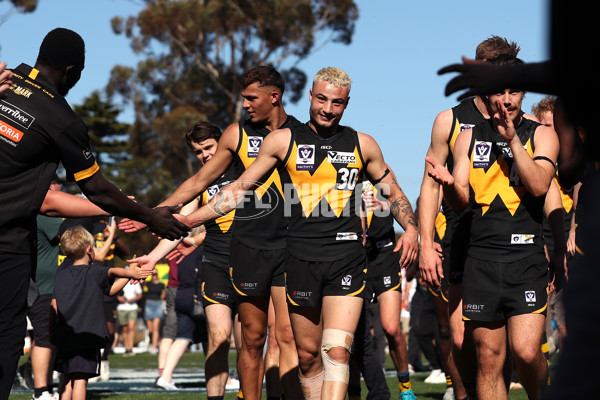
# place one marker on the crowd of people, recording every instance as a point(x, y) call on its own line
point(286, 242)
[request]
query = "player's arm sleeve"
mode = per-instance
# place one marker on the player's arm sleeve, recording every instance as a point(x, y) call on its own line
point(74, 149)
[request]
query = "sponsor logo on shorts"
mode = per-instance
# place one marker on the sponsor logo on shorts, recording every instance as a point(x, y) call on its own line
point(347, 281)
point(387, 280)
point(530, 296)
point(254, 143)
point(346, 236)
point(302, 294)
point(476, 308)
point(341, 157)
point(219, 295)
point(249, 285)
point(305, 159)
point(481, 154)
point(522, 238)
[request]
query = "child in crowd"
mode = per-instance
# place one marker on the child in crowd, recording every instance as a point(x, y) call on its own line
point(79, 324)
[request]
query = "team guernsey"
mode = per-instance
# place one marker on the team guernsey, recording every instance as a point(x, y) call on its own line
point(506, 271)
point(38, 129)
point(506, 219)
point(456, 226)
point(259, 221)
point(324, 200)
point(218, 230)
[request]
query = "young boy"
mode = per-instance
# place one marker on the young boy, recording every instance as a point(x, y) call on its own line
point(80, 328)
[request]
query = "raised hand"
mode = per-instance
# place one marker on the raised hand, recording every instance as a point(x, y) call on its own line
point(439, 173)
point(129, 226)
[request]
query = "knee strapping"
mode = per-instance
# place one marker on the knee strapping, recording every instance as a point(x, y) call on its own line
point(311, 387)
point(335, 371)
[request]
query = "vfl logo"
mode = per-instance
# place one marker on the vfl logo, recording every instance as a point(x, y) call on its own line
point(347, 280)
point(254, 143)
point(305, 159)
point(481, 154)
point(387, 281)
point(530, 296)
point(87, 153)
point(212, 191)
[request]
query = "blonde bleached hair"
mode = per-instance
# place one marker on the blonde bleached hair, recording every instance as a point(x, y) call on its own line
point(547, 104)
point(334, 76)
point(75, 241)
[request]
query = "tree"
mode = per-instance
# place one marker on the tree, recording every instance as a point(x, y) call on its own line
point(18, 6)
point(194, 52)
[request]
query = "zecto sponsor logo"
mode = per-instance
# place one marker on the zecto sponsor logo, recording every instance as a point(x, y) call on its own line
point(341, 157)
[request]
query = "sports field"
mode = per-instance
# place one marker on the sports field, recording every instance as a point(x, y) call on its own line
point(132, 378)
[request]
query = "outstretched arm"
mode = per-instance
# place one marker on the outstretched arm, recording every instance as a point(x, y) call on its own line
point(272, 150)
point(108, 197)
point(61, 204)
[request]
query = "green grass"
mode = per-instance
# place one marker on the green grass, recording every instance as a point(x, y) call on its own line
point(423, 390)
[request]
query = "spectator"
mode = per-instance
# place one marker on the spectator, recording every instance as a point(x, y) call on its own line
point(154, 292)
point(77, 327)
point(127, 314)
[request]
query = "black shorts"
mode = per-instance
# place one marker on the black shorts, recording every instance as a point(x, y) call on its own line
point(86, 361)
point(39, 314)
point(110, 309)
point(495, 291)
point(383, 269)
point(254, 271)
point(216, 281)
point(457, 251)
point(307, 282)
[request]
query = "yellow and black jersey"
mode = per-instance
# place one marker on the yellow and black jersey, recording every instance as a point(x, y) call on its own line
point(380, 223)
point(323, 176)
point(506, 220)
point(440, 227)
point(464, 116)
point(259, 219)
point(218, 230)
point(38, 130)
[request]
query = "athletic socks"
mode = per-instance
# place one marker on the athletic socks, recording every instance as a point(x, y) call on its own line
point(448, 381)
point(37, 392)
point(160, 371)
point(404, 381)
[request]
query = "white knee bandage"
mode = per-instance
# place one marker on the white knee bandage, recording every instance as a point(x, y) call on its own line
point(311, 387)
point(334, 370)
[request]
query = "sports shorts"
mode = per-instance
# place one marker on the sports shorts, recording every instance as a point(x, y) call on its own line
point(307, 282)
point(216, 281)
point(38, 314)
point(85, 361)
point(110, 309)
point(254, 271)
point(496, 291)
point(383, 268)
point(456, 252)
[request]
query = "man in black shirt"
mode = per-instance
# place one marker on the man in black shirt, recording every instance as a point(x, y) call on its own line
point(38, 129)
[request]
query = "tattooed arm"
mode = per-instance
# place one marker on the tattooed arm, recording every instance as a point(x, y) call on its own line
point(400, 207)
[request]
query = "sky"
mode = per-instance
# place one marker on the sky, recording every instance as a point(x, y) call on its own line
point(393, 59)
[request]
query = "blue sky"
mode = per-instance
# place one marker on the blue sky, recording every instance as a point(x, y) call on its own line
point(397, 48)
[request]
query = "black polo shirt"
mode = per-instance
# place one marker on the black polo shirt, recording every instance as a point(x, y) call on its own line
point(38, 129)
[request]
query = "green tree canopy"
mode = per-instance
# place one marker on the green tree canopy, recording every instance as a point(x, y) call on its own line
point(193, 53)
